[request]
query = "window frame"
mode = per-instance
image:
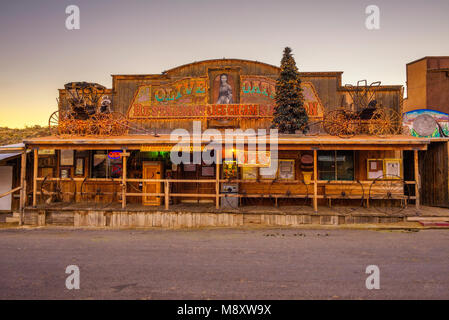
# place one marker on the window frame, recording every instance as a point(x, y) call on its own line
point(335, 163)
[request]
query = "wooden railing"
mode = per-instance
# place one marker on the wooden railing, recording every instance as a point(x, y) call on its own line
point(217, 195)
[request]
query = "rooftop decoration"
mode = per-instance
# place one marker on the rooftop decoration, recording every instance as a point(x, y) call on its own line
point(89, 113)
point(289, 113)
point(363, 116)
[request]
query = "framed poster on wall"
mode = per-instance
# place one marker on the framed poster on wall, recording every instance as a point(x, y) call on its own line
point(375, 168)
point(393, 168)
point(287, 169)
point(386, 168)
point(66, 158)
point(79, 167)
point(268, 173)
point(249, 173)
point(64, 172)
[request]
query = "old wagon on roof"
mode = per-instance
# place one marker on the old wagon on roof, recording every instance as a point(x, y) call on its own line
point(88, 113)
point(364, 116)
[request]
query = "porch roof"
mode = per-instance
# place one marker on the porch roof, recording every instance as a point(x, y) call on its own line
point(285, 141)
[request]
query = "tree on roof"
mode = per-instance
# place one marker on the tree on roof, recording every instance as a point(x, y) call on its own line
point(289, 114)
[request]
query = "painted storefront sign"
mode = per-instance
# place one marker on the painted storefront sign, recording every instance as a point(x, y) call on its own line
point(189, 98)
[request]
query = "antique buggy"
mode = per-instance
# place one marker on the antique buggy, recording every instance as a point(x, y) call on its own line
point(365, 116)
point(87, 112)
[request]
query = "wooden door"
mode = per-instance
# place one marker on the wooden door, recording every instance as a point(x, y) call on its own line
point(152, 170)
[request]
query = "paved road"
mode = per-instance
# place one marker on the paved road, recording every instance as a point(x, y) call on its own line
point(223, 264)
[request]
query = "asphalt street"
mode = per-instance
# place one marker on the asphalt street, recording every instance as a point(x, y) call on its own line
point(223, 264)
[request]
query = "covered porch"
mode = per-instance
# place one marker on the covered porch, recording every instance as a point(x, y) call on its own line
point(74, 184)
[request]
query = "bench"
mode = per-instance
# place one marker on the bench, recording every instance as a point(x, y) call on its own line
point(391, 190)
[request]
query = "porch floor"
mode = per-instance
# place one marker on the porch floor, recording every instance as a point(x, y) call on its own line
point(410, 211)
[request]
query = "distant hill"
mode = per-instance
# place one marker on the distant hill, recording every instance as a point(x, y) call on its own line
point(10, 136)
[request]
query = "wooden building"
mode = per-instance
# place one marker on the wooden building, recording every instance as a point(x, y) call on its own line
point(428, 84)
point(426, 115)
point(134, 169)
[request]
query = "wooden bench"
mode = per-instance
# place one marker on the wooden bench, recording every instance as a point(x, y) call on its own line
point(276, 191)
point(393, 190)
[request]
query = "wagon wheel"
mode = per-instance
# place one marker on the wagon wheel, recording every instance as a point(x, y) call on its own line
point(341, 123)
point(119, 123)
point(53, 123)
point(93, 125)
point(102, 124)
point(385, 121)
point(115, 197)
point(58, 192)
point(330, 122)
point(73, 199)
point(60, 123)
point(348, 198)
point(84, 194)
point(389, 196)
point(347, 124)
point(44, 190)
point(54, 196)
point(87, 196)
point(67, 123)
point(77, 127)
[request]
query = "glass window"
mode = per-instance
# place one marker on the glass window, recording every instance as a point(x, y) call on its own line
point(104, 166)
point(336, 165)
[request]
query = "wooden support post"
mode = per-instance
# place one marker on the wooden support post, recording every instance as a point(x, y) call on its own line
point(124, 174)
point(315, 183)
point(35, 168)
point(23, 191)
point(217, 181)
point(417, 180)
point(166, 194)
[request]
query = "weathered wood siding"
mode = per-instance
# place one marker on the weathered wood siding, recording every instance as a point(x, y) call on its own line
point(176, 220)
point(327, 84)
point(434, 170)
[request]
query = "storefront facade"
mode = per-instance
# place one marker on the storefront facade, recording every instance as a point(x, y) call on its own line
point(129, 162)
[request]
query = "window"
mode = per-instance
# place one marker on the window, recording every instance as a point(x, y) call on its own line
point(104, 166)
point(336, 165)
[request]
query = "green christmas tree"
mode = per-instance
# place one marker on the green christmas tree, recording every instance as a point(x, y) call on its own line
point(289, 113)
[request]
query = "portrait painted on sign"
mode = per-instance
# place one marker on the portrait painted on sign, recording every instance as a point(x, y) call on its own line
point(224, 89)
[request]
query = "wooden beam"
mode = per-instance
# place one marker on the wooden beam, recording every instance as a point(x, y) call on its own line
point(417, 180)
point(10, 191)
point(124, 174)
point(315, 181)
point(35, 168)
point(217, 181)
point(23, 192)
point(166, 194)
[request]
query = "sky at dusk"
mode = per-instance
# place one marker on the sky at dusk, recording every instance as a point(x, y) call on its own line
point(39, 55)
